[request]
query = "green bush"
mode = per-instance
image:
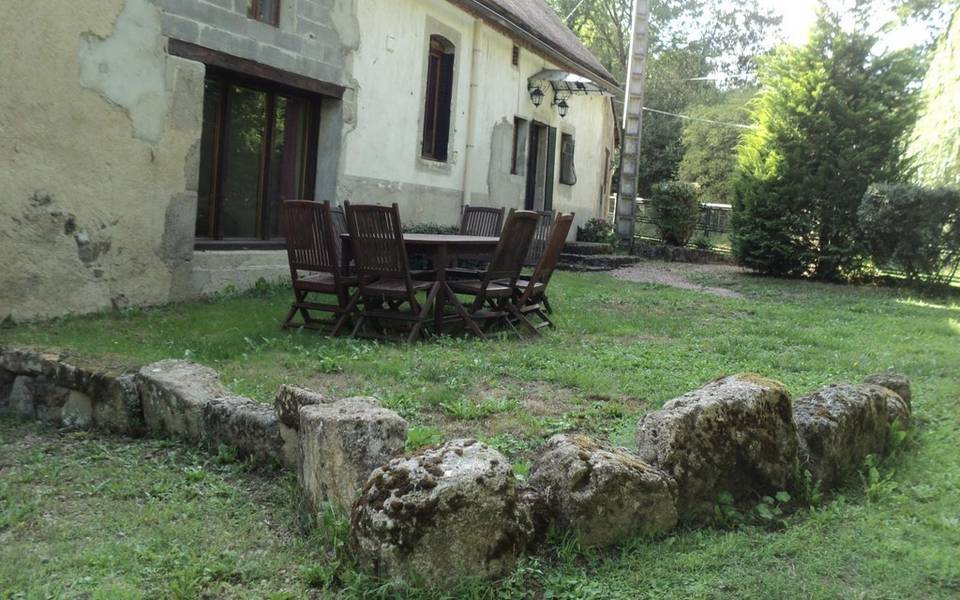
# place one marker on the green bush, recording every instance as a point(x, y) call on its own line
point(913, 228)
point(676, 211)
point(432, 228)
point(598, 231)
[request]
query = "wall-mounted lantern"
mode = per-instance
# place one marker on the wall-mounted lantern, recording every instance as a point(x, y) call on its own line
point(562, 107)
point(536, 96)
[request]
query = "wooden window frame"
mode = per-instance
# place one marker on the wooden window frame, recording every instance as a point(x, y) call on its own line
point(308, 167)
point(515, 156)
point(255, 12)
point(433, 146)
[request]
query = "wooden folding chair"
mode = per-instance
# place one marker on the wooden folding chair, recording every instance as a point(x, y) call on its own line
point(383, 272)
point(533, 291)
point(481, 221)
point(539, 243)
point(313, 252)
point(496, 289)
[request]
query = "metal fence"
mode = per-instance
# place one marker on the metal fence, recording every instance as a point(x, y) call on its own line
point(712, 230)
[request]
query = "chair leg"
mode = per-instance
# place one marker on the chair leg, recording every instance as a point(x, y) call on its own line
point(513, 310)
point(546, 304)
point(424, 314)
point(471, 324)
point(347, 311)
point(289, 318)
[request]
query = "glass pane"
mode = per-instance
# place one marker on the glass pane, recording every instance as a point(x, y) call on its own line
point(287, 160)
point(246, 123)
point(211, 113)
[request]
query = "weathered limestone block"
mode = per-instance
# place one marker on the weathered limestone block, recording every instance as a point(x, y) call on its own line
point(445, 513)
point(116, 404)
point(602, 493)
point(6, 386)
point(21, 396)
point(899, 409)
point(76, 412)
point(839, 426)
point(341, 444)
point(290, 399)
point(733, 435)
point(287, 403)
point(241, 423)
point(24, 362)
point(174, 393)
point(897, 382)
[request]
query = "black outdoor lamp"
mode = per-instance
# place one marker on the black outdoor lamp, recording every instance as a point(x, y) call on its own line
point(536, 96)
point(563, 108)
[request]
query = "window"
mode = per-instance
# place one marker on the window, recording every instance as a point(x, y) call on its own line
point(568, 170)
point(267, 11)
point(515, 59)
point(258, 148)
point(520, 129)
point(439, 96)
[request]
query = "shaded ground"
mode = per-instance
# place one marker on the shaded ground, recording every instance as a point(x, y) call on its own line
point(678, 275)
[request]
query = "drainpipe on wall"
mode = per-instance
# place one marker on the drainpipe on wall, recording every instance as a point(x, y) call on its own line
point(472, 113)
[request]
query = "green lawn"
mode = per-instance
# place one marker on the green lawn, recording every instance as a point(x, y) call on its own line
point(85, 514)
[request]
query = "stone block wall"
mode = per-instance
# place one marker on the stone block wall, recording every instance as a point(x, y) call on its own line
point(307, 40)
point(457, 510)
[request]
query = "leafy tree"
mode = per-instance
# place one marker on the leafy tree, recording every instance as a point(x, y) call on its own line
point(935, 145)
point(829, 121)
point(710, 149)
point(682, 50)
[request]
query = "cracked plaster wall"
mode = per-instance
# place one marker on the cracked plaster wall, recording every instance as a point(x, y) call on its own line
point(98, 138)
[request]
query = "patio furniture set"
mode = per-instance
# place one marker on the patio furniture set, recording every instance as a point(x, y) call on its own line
point(476, 282)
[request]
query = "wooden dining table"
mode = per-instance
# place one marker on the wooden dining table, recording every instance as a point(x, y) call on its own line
point(441, 250)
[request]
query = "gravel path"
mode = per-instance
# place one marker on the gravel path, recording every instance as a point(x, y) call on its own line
point(675, 275)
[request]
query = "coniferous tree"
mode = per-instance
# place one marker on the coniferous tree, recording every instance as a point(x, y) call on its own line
point(830, 120)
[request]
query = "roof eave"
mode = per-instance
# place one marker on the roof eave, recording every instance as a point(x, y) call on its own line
point(517, 31)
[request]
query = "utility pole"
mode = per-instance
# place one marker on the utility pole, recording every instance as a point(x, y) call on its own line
point(633, 121)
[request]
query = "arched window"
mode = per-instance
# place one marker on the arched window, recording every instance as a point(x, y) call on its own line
point(439, 96)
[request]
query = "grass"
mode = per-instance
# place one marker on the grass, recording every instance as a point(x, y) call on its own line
point(72, 508)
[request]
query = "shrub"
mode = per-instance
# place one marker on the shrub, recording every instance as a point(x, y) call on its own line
point(597, 230)
point(676, 211)
point(432, 228)
point(913, 228)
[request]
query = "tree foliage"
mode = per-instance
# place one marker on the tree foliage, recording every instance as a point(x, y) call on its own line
point(914, 229)
point(681, 49)
point(676, 211)
point(829, 121)
point(935, 145)
point(710, 149)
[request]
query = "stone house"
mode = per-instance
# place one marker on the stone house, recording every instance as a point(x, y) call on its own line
point(146, 145)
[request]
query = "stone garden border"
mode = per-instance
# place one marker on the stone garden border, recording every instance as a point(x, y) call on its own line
point(457, 510)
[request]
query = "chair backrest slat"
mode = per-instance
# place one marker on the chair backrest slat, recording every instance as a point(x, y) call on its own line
point(481, 221)
point(311, 242)
point(539, 243)
point(551, 256)
point(515, 240)
point(376, 237)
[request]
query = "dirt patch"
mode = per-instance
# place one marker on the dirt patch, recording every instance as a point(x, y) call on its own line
point(676, 275)
point(538, 398)
point(338, 385)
